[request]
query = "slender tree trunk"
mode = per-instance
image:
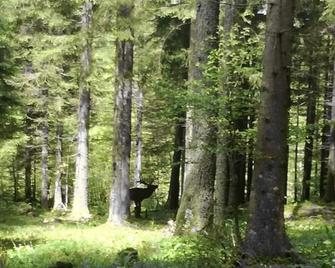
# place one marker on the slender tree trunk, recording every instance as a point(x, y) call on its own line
point(330, 189)
point(179, 147)
point(296, 151)
point(28, 154)
point(15, 180)
point(34, 179)
point(58, 202)
point(310, 122)
point(139, 112)
point(196, 210)
point(119, 198)
point(325, 135)
point(80, 195)
point(66, 186)
point(45, 152)
point(266, 236)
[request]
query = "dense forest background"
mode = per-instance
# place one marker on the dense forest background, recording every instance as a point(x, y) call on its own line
point(227, 106)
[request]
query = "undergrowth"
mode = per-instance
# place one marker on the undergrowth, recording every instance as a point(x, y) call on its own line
point(36, 239)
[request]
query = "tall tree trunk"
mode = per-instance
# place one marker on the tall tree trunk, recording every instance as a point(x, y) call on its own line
point(179, 146)
point(296, 151)
point(45, 152)
point(34, 179)
point(310, 125)
point(28, 155)
point(80, 194)
point(15, 179)
point(196, 211)
point(139, 112)
point(330, 188)
point(325, 135)
point(266, 236)
point(119, 198)
point(58, 202)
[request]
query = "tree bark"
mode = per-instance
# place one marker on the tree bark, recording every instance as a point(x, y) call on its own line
point(119, 206)
point(330, 188)
point(58, 202)
point(196, 211)
point(80, 209)
point(139, 112)
point(179, 147)
point(266, 236)
point(310, 122)
point(296, 151)
point(28, 155)
point(45, 151)
point(325, 134)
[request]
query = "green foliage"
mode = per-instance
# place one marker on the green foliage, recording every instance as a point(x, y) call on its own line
point(29, 240)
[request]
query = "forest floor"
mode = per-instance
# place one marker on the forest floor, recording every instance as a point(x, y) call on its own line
point(31, 238)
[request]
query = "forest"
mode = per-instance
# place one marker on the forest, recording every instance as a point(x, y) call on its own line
point(167, 133)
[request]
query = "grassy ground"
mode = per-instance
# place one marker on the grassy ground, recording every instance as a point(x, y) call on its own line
point(36, 239)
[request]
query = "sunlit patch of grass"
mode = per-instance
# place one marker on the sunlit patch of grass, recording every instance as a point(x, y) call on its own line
point(38, 240)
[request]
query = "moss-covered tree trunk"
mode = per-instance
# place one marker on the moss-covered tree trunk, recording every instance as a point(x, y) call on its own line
point(266, 236)
point(196, 208)
point(119, 198)
point(80, 195)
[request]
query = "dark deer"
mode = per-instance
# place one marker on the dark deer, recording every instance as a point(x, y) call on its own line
point(139, 194)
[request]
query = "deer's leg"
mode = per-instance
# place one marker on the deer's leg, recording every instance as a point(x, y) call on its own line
point(137, 209)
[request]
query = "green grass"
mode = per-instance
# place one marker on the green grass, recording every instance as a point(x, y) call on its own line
point(36, 240)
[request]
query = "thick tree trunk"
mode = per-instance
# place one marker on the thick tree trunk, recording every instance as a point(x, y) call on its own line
point(58, 202)
point(119, 206)
point(45, 152)
point(330, 188)
point(196, 210)
point(310, 122)
point(179, 147)
point(266, 236)
point(139, 112)
point(80, 195)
